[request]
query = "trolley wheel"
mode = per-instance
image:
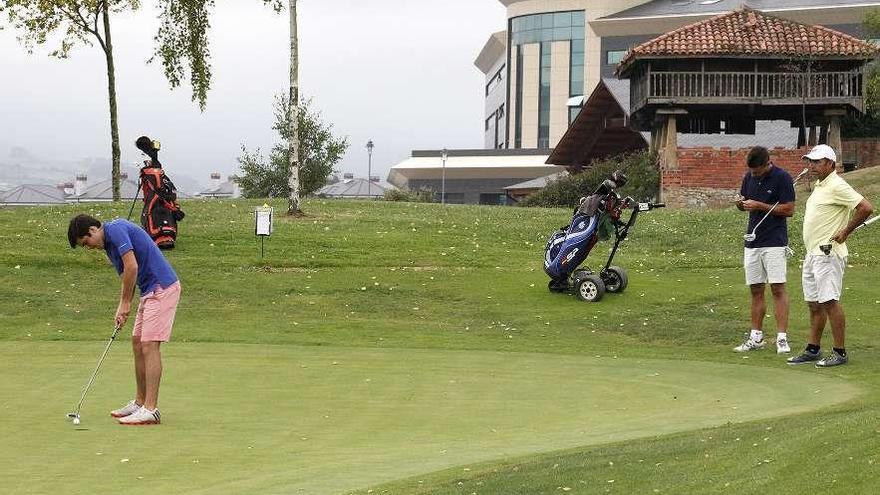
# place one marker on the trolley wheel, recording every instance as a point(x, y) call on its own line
point(590, 288)
point(615, 279)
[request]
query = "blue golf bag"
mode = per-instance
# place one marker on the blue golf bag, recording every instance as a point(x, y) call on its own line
point(595, 218)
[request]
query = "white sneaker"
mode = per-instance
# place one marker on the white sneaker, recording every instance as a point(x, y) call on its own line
point(782, 346)
point(125, 410)
point(142, 416)
point(749, 345)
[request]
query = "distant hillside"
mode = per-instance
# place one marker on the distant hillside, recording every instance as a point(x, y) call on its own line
point(21, 166)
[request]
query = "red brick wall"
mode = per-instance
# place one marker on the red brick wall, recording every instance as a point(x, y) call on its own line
point(712, 177)
point(864, 151)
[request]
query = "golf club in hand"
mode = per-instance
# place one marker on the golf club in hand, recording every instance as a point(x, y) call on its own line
point(826, 248)
point(74, 416)
point(751, 236)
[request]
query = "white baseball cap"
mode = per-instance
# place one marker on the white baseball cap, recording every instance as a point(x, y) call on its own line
point(821, 151)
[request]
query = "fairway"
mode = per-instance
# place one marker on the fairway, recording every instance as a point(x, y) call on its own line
point(262, 419)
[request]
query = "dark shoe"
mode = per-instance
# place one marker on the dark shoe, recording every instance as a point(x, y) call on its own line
point(805, 357)
point(834, 359)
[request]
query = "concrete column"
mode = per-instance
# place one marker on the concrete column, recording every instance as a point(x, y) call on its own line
point(811, 141)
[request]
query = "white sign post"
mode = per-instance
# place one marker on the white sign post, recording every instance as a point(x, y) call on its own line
point(263, 223)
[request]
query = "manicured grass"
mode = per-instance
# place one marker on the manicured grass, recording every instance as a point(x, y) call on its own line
point(291, 419)
point(404, 286)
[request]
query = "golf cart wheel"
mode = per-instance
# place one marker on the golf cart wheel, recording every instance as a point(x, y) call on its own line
point(557, 285)
point(590, 288)
point(615, 279)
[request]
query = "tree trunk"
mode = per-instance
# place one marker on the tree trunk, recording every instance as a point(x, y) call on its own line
point(111, 92)
point(293, 150)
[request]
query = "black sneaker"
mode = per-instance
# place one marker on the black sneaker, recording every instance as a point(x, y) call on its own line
point(805, 357)
point(834, 359)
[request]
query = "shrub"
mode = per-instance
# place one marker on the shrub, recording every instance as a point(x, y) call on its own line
point(640, 168)
point(419, 196)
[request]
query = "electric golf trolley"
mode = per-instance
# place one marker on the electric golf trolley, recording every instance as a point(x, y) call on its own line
point(596, 216)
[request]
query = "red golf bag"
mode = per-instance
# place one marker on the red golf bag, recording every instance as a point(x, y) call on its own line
point(161, 211)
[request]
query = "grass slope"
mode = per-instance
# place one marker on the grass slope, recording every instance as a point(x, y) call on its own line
point(383, 276)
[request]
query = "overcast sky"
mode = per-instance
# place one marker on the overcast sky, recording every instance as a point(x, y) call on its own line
point(399, 72)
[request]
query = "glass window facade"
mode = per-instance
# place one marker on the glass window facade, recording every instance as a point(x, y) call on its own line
point(544, 96)
point(545, 29)
point(553, 26)
point(613, 57)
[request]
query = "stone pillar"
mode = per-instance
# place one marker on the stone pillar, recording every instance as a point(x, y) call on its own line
point(670, 150)
point(811, 141)
point(833, 137)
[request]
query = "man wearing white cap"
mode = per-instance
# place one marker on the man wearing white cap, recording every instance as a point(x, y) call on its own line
point(827, 224)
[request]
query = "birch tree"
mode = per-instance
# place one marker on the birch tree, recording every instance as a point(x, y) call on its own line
point(76, 22)
point(293, 120)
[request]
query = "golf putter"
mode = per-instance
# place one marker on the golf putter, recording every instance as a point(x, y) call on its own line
point(751, 237)
point(74, 416)
point(826, 248)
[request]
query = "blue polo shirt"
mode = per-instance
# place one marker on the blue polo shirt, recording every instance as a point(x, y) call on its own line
point(122, 236)
point(774, 186)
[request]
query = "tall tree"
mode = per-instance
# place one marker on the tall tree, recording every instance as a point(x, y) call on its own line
point(293, 120)
point(319, 150)
point(79, 21)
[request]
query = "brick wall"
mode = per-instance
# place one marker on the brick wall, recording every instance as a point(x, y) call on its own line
point(865, 152)
point(711, 177)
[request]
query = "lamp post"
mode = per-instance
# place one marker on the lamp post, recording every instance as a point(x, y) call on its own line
point(369, 167)
point(443, 155)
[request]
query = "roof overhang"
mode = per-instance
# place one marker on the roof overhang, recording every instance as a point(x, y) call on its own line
point(659, 24)
point(502, 166)
point(601, 129)
point(494, 49)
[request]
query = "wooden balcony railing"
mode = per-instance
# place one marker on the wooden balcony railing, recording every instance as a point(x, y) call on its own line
point(748, 87)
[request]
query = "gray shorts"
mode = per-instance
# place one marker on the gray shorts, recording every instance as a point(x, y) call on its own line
point(823, 277)
point(765, 265)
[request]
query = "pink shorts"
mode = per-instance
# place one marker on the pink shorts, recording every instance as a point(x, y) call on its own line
point(155, 314)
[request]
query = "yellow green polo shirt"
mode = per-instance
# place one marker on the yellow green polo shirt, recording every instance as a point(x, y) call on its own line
point(828, 210)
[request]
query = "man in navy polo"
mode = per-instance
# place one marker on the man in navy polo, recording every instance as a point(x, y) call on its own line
point(767, 193)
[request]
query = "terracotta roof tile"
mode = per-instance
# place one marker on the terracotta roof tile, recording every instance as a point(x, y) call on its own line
point(751, 32)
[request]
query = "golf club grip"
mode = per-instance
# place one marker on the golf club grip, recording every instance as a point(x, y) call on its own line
point(866, 223)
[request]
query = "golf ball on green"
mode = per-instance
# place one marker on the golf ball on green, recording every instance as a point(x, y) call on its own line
point(76, 421)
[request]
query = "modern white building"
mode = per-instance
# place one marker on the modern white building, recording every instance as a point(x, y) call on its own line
point(554, 52)
point(548, 62)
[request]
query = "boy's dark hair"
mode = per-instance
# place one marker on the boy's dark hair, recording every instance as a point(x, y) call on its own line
point(758, 157)
point(79, 227)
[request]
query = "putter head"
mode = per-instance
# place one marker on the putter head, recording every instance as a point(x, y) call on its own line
point(749, 237)
point(71, 416)
point(826, 248)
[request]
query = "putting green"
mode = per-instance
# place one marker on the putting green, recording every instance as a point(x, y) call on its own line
point(283, 419)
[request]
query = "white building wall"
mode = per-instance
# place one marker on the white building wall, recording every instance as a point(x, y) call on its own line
point(530, 93)
point(496, 99)
point(559, 89)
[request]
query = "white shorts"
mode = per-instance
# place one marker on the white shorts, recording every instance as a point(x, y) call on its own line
point(823, 277)
point(765, 265)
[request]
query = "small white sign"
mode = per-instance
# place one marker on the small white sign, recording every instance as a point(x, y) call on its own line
point(263, 220)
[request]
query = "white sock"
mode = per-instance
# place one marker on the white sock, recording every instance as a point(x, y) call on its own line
point(781, 335)
point(757, 335)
